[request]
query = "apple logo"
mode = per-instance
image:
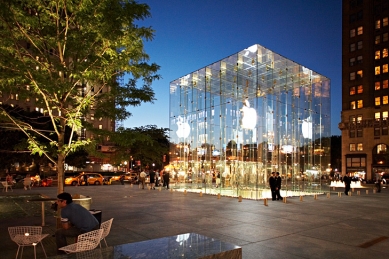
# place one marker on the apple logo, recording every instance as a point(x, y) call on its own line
point(249, 116)
point(183, 130)
point(306, 128)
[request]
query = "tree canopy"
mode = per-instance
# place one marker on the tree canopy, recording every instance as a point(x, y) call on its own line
point(67, 56)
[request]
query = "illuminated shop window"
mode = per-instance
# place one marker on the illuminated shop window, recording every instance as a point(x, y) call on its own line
point(360, 30)
point(385, 84)
point(377, 70)
point(352, 90)
point(385, 22)
point(360, 89)
point(352, 147)
point(360, 147)
point(352, 47)
point(377, 39)
point(385, 99)
point(353, 105)
point(377, 54)
point(352, 76)
point(360, 104)
point(378, 24)
point(377, 101)
point(377, 86)
point(352, 62)
point(360, 44)
point(352, 33)
point(377, 116)
point(385, 53)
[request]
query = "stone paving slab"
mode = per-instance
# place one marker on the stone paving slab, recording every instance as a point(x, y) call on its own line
point(334, 227)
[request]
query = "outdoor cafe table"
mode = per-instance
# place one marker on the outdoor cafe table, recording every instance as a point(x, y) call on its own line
point(43, 206)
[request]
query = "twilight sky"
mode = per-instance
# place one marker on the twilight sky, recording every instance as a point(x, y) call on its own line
point(191, 34)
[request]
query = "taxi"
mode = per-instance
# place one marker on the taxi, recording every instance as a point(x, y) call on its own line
point(93, 179)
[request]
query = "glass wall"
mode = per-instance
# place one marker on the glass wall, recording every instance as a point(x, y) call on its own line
point(245, 116)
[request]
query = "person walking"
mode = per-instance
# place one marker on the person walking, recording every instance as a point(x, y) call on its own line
point(272, 184)
point(278, 186)
point(152, 179)
point(142, 179)
point(347, 183)
point(75, 220)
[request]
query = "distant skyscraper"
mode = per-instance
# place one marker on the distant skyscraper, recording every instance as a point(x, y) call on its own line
point(365, 103)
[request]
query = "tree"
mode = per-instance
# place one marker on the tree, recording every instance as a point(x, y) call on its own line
point(147, 144)
point(67, 57)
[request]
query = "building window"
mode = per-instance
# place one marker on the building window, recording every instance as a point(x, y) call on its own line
point(377, 70)
point(385, 53)
point(377, 101)
point(12, 96)
point(352, 105)
point(352, 146)
point(359, 59)
point(352, 133)
point(359, 119)
point(352, 62)
point(385, 36)
point(377, 39)
point(360, 89)
point(360, 30)
point(352, 18)
point(385, 68)
point(360, 104)
point(92, 117)
point(385, 130)
point(377, 54)
point(352, 90)
point(378, 24)
point(360, 147)
point(377, 86)
point(352, 33)
point(384, 115)
point(360, 74)
point(352, 76)
point(359, 133)
point(385, 84)
point(385, 99)
point(16, 96)
point(352, 47)
point(385, 22)
point(352, 119)
point(100, 126)
point(359, 15)
point(377, 131)
point(377, 116)
point(360, 44)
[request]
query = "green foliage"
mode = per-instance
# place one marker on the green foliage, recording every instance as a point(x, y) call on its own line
point(66, 56)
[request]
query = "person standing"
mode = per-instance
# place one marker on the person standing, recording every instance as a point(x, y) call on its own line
point(272, 184)
point(166, 179)
point(278, 186)
point(347, 183)
point(152, 179)
point(75, 220)
point(9, 179)
point(142, 179)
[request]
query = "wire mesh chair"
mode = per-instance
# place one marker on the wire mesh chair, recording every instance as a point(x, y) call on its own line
point(106, 225)
point(27, 236)
point(6, 185)
point(85, 242)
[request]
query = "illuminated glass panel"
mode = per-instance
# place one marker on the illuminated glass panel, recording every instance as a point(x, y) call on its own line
point(385, 68)
point(352, 90)
point(377, 101)
point(352, 33)
point(360, 30)
point(360, 89)
point(352, 147)
point(385, 84)
point(360, 104)
point(385, 99)
point(377, 116)
point(378, 24)
point(385, 53)
point(377, 86)
point(360, 147)
point(377, 54)
point(377, 70)
point(385, 21)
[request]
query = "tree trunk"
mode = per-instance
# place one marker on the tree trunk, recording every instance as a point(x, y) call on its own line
point(60, 172)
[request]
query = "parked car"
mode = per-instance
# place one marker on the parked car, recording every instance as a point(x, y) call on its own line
point(128, 177)
point(92, 179)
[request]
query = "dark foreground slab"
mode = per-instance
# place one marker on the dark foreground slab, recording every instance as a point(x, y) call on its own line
point(189, 246)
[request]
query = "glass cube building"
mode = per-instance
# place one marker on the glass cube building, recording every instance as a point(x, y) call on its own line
point(237, 120)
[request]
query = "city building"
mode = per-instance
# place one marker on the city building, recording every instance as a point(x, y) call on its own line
point(245, 116)
point(365, 103)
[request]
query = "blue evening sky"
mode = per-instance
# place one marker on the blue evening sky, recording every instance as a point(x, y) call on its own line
point(191, 34)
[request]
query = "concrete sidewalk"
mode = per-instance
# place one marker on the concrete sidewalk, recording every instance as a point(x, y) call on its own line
point(353, 226)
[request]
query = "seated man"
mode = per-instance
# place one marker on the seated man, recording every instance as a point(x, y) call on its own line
point(75, 220)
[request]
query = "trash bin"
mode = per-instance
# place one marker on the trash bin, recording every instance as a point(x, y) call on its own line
point(84, 201)
point(97, 214)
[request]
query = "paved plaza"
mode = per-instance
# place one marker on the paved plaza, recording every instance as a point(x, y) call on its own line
point(355, 226)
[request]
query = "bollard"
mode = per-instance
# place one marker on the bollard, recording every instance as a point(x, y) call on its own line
point(349, 193)
point(148, 187)
point(131, 185)
point(339, 194)
point(315, 197)
point(333, 188)
point(265, 202)
point(284, 199)
point(328, 195)
point(160, 188)
point(301, 198)
point(358, 192)
point(201, 194)
point(374, 191)
point(240, 198)
point(184, 192)
point(352, 189)
point(171, 190)
point(367, 191)
point(218, 195)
